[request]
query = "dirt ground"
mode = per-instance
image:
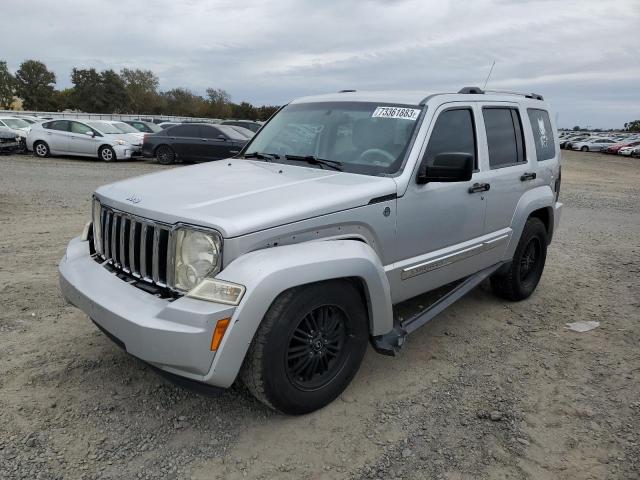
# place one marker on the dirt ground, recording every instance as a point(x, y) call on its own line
point(487, 390)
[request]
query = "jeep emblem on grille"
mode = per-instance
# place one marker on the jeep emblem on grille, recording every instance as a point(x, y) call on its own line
point(134, 199)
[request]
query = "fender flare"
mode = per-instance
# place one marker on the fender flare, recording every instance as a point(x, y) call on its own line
point(534, 199)
point(269, 272)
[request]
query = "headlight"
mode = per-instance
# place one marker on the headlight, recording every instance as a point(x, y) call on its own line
point(197, 255)
point(119, 142)
point(97, 226)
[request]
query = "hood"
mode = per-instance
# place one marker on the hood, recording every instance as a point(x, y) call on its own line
point(237, 197)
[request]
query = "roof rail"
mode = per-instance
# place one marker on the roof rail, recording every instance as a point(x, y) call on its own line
point(534, 96)
point(479, 91)
point(347, 91)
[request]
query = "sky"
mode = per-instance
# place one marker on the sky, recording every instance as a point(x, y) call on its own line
point(583, 56)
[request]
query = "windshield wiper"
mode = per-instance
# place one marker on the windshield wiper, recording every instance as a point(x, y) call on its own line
point(262, 156)
point(316, 161)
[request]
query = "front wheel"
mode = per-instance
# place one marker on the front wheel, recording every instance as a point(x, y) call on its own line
point(308, 347)
point(527, 265)
point(107, 154)
point(585, 149)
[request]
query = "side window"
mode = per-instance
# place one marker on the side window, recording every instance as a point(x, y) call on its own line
point(453, 132)
point(504, 136)
point(61, 125)
point(77, 127)
point(542, 134)
point(210, 132)
point(185, 131)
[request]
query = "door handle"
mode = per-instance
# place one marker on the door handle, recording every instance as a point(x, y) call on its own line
point(528, 176)
point(234, 151)
point(479, 187)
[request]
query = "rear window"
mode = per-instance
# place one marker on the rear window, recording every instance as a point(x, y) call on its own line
point(504, 136)
point(184, 131)
point(542, 134)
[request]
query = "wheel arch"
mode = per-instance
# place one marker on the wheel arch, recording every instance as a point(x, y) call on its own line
point(268, 273)
point(538, 203)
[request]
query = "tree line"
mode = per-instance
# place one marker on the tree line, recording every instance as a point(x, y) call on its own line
point(130, 91)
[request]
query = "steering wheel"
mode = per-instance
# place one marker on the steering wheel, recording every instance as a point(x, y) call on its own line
point(377, 151)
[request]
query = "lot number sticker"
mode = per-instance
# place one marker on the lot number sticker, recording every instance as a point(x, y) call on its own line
point(396, 112)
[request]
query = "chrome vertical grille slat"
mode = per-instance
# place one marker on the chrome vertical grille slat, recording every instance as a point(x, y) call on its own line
point(132, 248)
point(136, 246)
point(143, 251)
point(155, 264)
point(123, 253)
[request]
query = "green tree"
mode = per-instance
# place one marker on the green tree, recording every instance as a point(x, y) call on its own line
point(633, 126)
point(182, 102)
point(576, 128)
point(266, 111)
point(114, 92)
point(244, 111)
point(63, 99)
point(35, 85)
point(218, 103)
point(142, 89)
point(87, 90)
point(7, 87)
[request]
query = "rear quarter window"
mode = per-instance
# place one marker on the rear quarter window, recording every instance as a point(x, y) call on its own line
point(542, 134)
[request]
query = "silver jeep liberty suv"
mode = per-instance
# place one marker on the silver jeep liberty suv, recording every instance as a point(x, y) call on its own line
point(280, 265)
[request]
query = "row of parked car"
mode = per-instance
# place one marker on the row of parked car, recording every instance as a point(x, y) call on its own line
point(620, 144)
point(110, 140)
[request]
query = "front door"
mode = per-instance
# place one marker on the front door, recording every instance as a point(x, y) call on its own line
point(440, 224)
point(83, 140)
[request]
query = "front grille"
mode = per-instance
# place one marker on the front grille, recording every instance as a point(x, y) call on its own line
point(135, 245)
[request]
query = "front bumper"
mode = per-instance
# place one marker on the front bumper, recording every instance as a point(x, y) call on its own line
point(126, 152)
point(174, 336)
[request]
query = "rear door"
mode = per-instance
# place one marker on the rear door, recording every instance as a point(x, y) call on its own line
point(56, 134)
point(184, 139)
point(512, 169)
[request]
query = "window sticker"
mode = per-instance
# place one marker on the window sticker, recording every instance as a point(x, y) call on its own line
point(396, 112)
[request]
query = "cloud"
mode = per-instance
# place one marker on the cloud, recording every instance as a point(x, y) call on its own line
point(581, 55)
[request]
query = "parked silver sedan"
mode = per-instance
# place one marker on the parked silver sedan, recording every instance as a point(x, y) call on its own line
point(593, 144)
point(91, 138)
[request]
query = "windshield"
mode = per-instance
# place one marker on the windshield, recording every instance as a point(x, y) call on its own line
point(104, 127)
point(15, 123)
point(124, 127)
point(369, 138)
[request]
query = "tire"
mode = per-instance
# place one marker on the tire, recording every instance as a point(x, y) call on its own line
point(41, 149)
point(584, 149)
point(292, 376)
point(165, 155)
point(524, 273)
point(107, 154)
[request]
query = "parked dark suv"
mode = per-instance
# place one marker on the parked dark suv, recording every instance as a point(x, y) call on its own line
point(193, 143)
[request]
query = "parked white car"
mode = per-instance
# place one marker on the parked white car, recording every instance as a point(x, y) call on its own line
point(128, 129)
point(87, 139)
point(15, 125)
point(593, 144)
point(628, 150)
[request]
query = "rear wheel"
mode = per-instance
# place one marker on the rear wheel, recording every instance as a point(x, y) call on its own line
point(308, 347)
point(165, 155)
point(107, 154)
point(585, 149)
point(527, 265)
point(41, 149)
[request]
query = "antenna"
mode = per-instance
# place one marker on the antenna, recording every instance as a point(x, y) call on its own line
point(487, 79)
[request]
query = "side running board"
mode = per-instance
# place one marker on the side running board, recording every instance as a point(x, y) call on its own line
point(391, 343)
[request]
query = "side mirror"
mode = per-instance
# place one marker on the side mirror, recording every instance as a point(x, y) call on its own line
point(222, 137)
point(447, 167)
point(91, 134)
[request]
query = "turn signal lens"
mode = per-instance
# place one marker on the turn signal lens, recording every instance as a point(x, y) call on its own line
point(218, 333)
point(218, 291)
